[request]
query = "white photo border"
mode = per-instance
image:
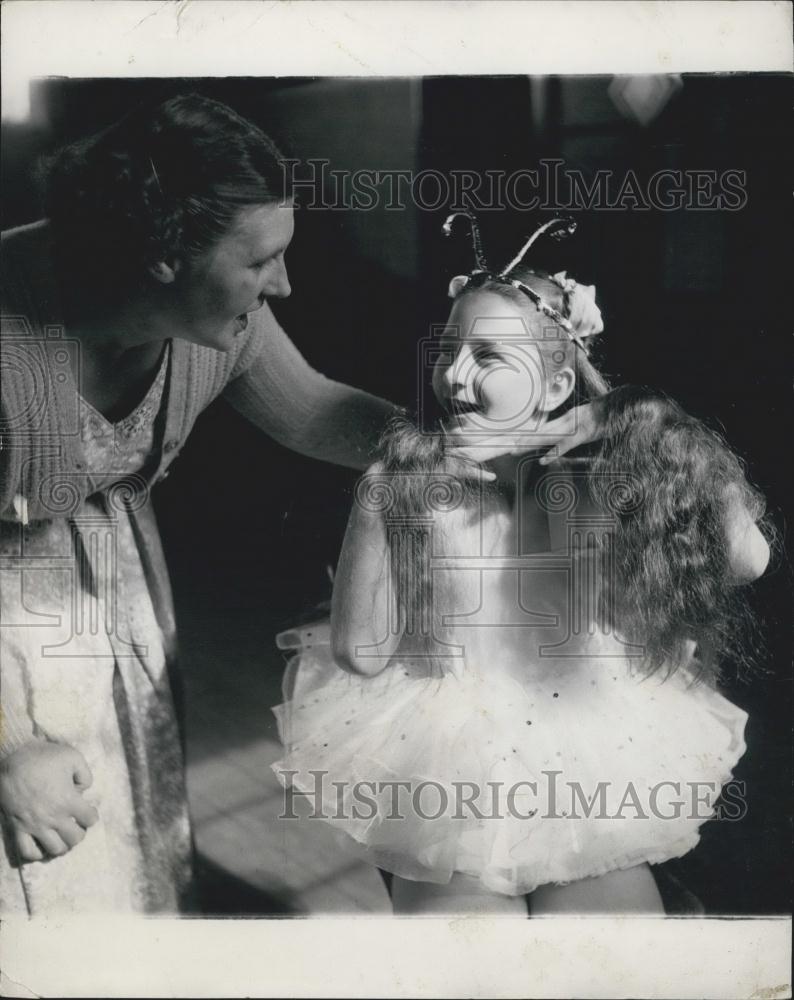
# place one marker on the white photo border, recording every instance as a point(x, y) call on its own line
point(466, 957)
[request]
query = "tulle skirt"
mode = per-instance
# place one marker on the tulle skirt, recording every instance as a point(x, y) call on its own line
point(572, 771)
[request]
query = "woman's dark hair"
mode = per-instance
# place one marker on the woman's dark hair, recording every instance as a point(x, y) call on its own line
point(672, 588)
point(162, 183)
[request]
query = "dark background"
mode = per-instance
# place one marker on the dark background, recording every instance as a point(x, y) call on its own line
point(695, 302)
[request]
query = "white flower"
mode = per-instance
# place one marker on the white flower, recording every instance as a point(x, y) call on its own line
point(585, 317)
point(457, 285)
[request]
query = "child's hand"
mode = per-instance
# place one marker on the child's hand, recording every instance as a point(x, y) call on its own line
point(747, 549)
point(41, 786)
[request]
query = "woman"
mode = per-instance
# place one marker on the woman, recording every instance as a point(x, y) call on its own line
point(140, 300)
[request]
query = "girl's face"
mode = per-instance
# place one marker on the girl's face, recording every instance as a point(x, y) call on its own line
point(490, 376)
point(215, 292)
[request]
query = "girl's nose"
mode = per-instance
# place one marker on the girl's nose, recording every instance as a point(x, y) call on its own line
point(459, 373)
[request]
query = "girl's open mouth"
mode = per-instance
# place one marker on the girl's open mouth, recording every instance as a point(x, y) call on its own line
point(460, 407)
point(459, 420)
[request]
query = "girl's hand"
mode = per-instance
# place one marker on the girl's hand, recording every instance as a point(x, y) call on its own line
point(747, 549)
point(580, 425)
point(41, 786)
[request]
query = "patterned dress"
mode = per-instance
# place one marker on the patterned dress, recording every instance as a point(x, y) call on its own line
point(88, 640)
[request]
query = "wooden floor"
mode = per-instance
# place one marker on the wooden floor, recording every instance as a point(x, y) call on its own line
point(250, 860)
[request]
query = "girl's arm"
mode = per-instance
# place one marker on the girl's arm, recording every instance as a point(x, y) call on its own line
point(364, 617)
point(747, 549)
point(300, 408)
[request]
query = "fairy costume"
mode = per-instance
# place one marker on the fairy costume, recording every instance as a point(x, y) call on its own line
point(572, 761)
point(540, 751)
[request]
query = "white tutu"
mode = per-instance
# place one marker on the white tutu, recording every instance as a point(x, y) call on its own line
point(574, 771)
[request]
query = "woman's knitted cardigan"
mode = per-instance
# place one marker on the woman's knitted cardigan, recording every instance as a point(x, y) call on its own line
point(42, 468)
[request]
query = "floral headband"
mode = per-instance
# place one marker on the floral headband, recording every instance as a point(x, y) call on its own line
point(584, 315)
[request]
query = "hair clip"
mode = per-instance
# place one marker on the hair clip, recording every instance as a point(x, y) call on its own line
point(156, 176)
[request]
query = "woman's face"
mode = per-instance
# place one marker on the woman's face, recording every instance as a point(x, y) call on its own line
point(216, 291)
point(490, 376)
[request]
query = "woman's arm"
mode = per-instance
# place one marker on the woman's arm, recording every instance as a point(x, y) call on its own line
point(300, 408)
point(365, 628)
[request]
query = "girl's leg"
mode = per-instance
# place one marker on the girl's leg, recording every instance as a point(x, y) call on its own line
point(463, 894)
point(630, 891)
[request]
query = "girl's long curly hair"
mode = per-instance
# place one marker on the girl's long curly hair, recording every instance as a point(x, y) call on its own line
point(673, 584)
point(671, 589)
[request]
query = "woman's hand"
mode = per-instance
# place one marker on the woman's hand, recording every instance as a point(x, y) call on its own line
point(41, 786)
point(579, 426)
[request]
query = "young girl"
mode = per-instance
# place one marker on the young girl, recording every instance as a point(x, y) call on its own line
point(519, 692)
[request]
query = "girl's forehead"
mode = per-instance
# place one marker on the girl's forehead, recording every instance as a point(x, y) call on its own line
point(485, 315)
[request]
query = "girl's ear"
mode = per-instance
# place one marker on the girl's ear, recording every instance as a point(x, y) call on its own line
point(558, 389)
point(163, 272)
